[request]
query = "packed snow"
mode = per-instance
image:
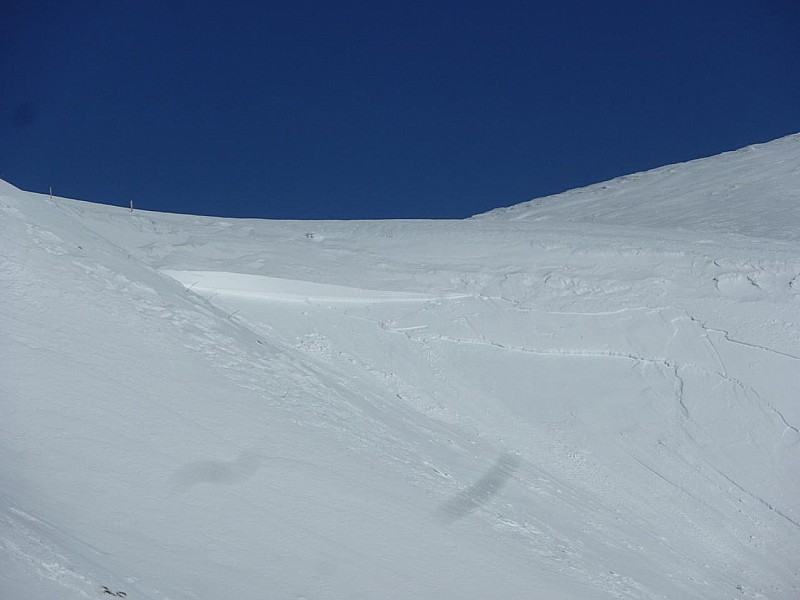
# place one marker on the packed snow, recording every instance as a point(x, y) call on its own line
point(592, 395)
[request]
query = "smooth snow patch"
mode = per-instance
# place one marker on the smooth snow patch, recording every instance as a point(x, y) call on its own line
point(287, 290)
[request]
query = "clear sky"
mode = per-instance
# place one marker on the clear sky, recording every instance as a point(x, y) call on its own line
point(380, 109)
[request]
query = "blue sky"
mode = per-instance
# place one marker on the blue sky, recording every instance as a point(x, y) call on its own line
point(380, 110)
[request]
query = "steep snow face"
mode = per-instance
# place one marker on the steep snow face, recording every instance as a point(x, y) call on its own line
point(754, 192)
point(501, 407)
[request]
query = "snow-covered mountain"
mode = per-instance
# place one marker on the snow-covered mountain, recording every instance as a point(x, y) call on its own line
point(753, 192)
point(593, 395)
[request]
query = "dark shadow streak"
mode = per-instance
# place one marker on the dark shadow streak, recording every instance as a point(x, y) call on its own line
point(481, 491)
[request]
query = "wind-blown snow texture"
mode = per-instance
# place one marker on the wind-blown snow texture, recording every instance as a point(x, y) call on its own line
point(593, 395)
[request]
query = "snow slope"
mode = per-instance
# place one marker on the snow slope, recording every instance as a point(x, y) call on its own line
point(754, 192)
point(588, 396)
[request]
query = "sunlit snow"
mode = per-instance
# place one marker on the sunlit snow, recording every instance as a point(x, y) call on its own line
point(592, 395)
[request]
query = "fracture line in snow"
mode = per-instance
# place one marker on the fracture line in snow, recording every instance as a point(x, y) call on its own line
point(672, 483)
point(672, 366)
point(679, 389)
point(600, 313)
point(759, 498)
point(674, 369)
point(756, 346)
point(726, 334)
point(740, 384)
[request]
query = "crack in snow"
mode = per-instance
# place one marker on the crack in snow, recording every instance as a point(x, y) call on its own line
point(759, 498)
point(726, 335)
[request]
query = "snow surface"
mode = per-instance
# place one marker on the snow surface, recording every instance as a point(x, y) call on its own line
point(592, 395)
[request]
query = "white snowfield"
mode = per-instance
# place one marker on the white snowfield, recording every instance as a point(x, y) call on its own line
point(287, 290)
point(593, 395)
